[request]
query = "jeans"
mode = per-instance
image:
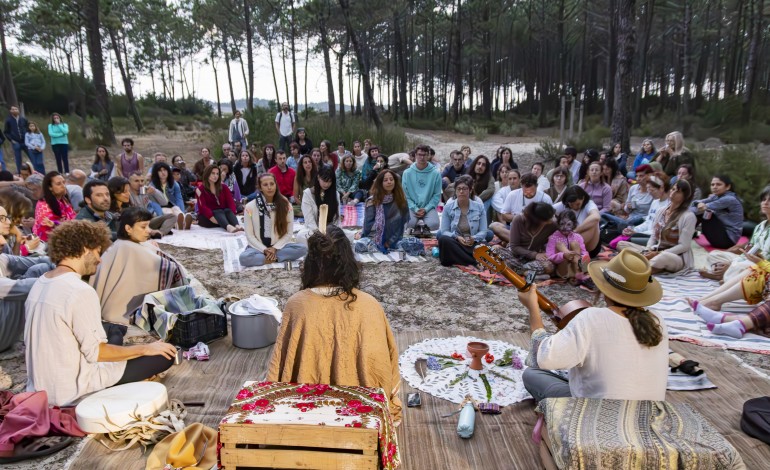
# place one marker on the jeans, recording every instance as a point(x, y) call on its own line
point(37, 160)
point(61, 152)
point(2, 160)
point(284, 141)
point(430, 218)
point(620, 222)
point(541, 384)
point(17, 149)
point(290, 252)
point(224, 217)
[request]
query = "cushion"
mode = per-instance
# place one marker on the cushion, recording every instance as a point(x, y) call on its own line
point(111, 409)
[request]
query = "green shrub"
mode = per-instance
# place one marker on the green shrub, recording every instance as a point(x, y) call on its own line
point(743, 164)
point(513, 129)
point(753, 132)
point(549, 150)
point(480, 133)
point(464, 127)
point(594, 138)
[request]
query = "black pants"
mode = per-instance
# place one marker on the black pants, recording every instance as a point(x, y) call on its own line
point(715, 232)
point(224, 218)
point(451, 252)
point(115, 333)
point(61, 152)
point(144, 367)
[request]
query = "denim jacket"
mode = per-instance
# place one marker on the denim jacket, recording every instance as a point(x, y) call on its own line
point(477, 219)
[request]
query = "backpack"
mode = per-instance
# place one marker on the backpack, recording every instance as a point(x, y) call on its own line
point(755, 420)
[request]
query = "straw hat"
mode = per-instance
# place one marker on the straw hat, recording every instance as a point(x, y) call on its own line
point(183, 449)
point(626, 279)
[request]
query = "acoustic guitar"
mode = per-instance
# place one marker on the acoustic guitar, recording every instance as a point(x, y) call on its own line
point(559, 315)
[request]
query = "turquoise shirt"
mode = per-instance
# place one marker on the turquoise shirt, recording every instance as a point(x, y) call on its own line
point(422, 187)
point(58, 133)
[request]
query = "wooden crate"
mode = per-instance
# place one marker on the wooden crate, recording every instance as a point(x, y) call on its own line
point(297, 446)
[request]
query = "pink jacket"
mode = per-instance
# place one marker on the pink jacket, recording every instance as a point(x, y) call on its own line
point(557, 257)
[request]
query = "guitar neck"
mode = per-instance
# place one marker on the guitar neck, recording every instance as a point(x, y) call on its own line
point(519, 283)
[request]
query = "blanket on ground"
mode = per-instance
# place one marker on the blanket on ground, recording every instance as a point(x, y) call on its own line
point(199, 238)
point(684, 325)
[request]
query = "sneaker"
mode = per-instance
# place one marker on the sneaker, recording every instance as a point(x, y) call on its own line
point(188, 220)
point(180, 221)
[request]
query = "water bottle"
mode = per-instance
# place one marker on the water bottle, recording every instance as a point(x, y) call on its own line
point(434, 252)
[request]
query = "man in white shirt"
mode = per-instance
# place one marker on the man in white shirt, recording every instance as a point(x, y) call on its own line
point(542, 180)
point(616, 352)
point(239, 130)
point(515, 203)
point(67, 352)
point(285, 125)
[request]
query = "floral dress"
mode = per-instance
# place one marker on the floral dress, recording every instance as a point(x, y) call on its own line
point(42, 211)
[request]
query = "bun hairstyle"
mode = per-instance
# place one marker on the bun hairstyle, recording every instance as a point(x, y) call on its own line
point(330, 262)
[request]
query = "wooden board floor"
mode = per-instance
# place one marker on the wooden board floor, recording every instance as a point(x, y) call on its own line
point(428, 441)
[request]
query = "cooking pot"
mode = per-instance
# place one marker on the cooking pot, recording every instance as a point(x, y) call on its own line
point(252, 330)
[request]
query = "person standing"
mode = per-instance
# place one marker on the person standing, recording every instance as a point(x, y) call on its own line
point(285, 125)
point(129, 162)
point(239, 130)
point(34, 141)
point(15, 129)
point(59, 131)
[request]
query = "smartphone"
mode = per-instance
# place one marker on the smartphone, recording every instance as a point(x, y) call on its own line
point(413, 400)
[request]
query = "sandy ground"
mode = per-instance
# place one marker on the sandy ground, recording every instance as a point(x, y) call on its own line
point(415, 296)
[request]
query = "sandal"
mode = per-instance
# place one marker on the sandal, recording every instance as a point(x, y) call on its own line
point(34, 447)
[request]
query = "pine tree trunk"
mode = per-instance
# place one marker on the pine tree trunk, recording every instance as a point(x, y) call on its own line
point(229, 74)
point(249, 55)
point(621, 112)
point(328, 66)
point(752, 60)
point(124, 74)
point(94, 43)
point(401, 64)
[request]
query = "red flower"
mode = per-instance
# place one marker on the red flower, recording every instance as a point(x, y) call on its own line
point(304, 406)
point(489, 358)
point(248, 421)
point(355, 424)
point(244, 393)
point(303, 389)
point(321, 389)
point(262, 384)
point(262, 403)
point(458, 356)
point(248, 407)
point(354, 403)
point(377, 397)
point(364, 409)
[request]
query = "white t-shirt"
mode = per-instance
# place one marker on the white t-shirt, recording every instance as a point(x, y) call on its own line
point(499, 198)
point(604, 358)
point(542, 183)
point(63, 331)
point(360, 160)
point(515, 202)
point(582, 214)
point(649, 221)
point(285, 121)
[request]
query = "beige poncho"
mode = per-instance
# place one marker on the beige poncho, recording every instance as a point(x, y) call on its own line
point(323, 342)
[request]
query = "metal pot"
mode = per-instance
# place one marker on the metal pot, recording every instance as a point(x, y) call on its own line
point(252, 330)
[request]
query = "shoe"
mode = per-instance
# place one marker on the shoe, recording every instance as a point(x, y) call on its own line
point(188, 220)
point(180, 221)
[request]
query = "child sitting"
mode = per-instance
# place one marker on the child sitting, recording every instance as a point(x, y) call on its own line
point(566, 249)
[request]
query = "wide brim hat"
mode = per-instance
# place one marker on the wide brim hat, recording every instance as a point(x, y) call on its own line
point(626, 279)
point(183, 449)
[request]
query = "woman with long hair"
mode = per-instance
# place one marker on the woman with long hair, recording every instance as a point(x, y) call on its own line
point(267, 161)
point(674, 153)
point(120, 193)
point(323, 191)
point(590, 156)
point(35, 142)
point(102, 166)
point(618, 184)
point(304, 142)
point(483, 182)
point(228, 179)
point(129, 270)
point(245, 172)
point(638, 336)
point(620, 157)
point(305, 178)
point(54, 208)
point(686, 171)
point(721, 214)
point(59, 131)
point(385, 216)
point(269, 222)
point(315, 154)
point(332, 332)
point(380, 163)
point(162, 180)
point(646, 155)
point(528, 236)
point(599, 191)
point(637, 204)
point(505, 158)
point(216, 206)
point(348, 178)
point(463, 224)
point(669, 248)
point(327, 156)
point(658, 187)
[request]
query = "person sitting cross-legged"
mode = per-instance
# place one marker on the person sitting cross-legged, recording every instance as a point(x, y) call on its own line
point(67, 353)
point(332, 332)
point(269, 223)
point(386, 216)
point(422, 186)
point(616, 352)
point(463, 225)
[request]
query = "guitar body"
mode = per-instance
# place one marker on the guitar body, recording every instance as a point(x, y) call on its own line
point(561, 316)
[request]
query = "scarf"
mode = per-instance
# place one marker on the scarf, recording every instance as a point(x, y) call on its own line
point(379, 221)
point(264, 219)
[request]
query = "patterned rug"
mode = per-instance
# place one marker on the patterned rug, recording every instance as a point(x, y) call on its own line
point(684, 325)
